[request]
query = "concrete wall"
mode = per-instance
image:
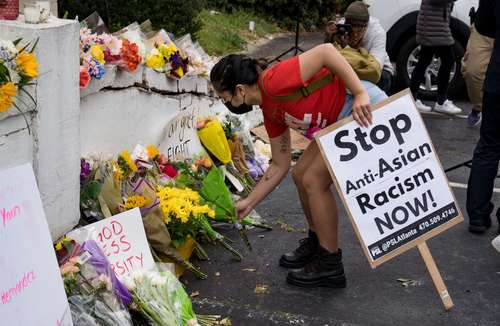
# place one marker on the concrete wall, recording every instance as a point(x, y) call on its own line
point(54, 123)
point(124, 109)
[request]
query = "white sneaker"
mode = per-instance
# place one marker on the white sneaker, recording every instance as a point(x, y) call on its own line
point(496, 243)
point(448, 108)
point(422, 107)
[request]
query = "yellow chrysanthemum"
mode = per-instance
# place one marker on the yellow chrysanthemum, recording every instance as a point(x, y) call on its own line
point(117, 172)
point(97, 53)
point(7, 93)
point(181, 204)
point(126, 163)
point(135, 201)
point(155, 61)
point(26, 62)
point(153, 152)
point(167, 51)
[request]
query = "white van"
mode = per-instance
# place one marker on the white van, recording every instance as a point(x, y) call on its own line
point(399, 19)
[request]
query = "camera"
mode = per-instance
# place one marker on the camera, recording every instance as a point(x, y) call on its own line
point(343, 29)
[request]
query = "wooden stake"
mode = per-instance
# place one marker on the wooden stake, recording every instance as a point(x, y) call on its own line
point(435, 275)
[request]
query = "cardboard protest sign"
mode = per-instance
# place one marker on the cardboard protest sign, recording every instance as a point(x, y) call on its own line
point(180, 139)
point(298, 141)
point(390, 179)
point(122, 239)
point(31, 288)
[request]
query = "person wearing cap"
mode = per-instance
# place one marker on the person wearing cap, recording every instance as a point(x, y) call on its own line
point(306, 92)
point(366, 32)
point(435, 39)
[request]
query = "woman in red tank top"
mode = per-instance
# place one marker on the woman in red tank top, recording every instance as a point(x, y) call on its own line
point(241, 83)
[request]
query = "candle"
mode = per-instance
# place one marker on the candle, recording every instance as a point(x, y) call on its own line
point(31, 15)
point(44, 8)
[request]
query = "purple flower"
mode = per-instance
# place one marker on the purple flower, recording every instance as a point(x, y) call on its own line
point(176, 59)
point(85, 171)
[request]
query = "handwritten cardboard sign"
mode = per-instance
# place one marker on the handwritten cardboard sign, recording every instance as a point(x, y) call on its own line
point(390, 179)
point(122, 239)
point(31, 288)
point(180, 139)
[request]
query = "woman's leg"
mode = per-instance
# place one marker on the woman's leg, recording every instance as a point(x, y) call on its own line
point(417, 76)
point(317, 182)
point(308, 247)
point(447, 56)
point(325, 268)
point(298, 172)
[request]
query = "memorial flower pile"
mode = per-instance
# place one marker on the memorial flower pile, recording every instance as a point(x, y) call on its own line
point(18, 69)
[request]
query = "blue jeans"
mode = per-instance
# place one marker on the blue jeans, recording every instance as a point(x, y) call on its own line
point(375, 93)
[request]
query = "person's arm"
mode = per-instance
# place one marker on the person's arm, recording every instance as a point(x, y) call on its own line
point(281, 158)
point(378, 45)
point(326, 55)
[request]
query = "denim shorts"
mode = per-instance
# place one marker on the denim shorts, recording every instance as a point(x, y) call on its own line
point(375, 93)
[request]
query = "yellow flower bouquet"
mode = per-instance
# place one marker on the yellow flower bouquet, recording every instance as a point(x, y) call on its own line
point(18, 68)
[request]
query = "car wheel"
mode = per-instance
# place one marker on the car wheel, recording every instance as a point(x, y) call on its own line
point(407, 60)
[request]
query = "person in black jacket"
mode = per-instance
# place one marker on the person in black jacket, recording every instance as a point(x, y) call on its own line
point(487, 153)
point(434, 36)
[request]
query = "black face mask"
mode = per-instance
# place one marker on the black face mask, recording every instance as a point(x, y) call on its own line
point(240, 109)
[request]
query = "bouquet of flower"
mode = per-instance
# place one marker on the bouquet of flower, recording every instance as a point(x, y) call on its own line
point(18, 68)
point(98, 50)
point(95, 295)
point(167, 58)
point(185, 214)
point(160, 298)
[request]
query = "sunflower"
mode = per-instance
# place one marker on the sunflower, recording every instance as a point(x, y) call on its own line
point(26, 62)
point(7, 93)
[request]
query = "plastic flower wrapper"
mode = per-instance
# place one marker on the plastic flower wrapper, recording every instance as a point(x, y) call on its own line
point(133, 34)
point(212, 136)
point(95, 295)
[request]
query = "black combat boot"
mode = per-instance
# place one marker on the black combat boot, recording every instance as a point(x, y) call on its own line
point(299, 258)
point(325, 270)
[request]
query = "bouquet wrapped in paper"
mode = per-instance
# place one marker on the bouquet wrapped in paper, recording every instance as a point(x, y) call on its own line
point(95, 295)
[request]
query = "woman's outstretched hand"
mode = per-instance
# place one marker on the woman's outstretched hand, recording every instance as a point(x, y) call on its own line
point(243, 208)
point(361, 109)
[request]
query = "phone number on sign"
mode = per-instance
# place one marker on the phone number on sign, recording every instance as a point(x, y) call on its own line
point(436, 219)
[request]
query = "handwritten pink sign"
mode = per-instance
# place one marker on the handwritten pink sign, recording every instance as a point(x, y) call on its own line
point(122, 239)
point(31, 288)
point(113, 241)
point(8, 214)
point(18, 288)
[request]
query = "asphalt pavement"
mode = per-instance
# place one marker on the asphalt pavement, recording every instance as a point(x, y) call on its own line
point(468, 263)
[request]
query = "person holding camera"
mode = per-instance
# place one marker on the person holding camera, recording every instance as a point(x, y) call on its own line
point(359, 30)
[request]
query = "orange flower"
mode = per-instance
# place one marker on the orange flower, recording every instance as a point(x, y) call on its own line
point(130, 56)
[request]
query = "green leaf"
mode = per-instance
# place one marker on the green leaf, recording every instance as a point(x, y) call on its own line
point(215, 191)
point(91, 190)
